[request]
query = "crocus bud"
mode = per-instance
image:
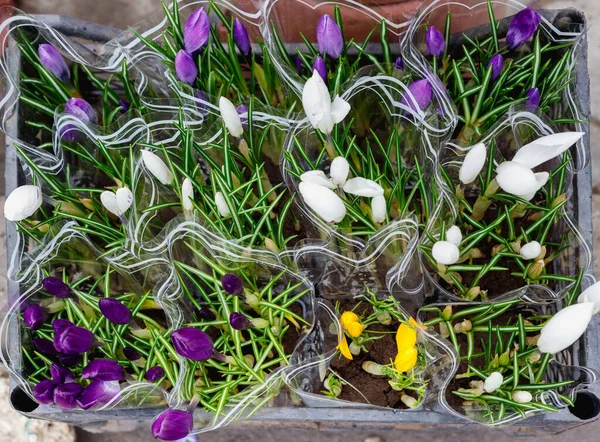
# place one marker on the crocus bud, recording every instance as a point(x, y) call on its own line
point(565, 327)
point(299, 64)
point(197, 31)
point(22, 202)
point(399, 64)
point(472, 164)
point(329, 37)
point(493, 382)
point(124, 106)
point(445, 253)
point(44, 392)
point(206, 314)
point(454, 235)
point(115, 311)
point(34, 317)
point(323, 201)
point(131, 353)
point(81, 109)
point(103, 370)
point(522, 27)
point(61, 375)
point(221, 204)
point(157, 167)
point(155, 374)
point(187, 195)
point(240, 36)
point(44, 346)
point(320, 110)
point(65, 395)
point(230, 117)
point(238, 321)
point(418, 95)
point(73, 340)
point(56, 287)
point(193, 344)
point(232, 284)
point(434, 39)
point(531, 250)
point(172, 425)
point(533, 99)
point(363, 187)
point(545, 148)
point(70, 360)
point(591, 294)
point(185, 67)
point(98, 393)
point(378, 209)
point(61, 324)
point(54, 61)
point(522, 397)
point(319, 66)
point(496, 62)
point(339, 171)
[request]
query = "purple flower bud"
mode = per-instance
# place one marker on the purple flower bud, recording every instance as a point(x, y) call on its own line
point(232, 284)
point(240, 36)
point(125, 105)
point(419, 92)
point(81, 110)
point(34, 317)
point(70, 360)
point(44, 346)
point(73, 340)
point(319, 66)
point(115, 311)
point(399, 64)
point(496, 62)
point(54, 61)
point(44, 392)
point(435, 42)
point(172, 425)
point(522, 27)
point(155, 374)
point(131, 353)
point(206, 314)
point(65, 395)
point(185, 67)
point(192, 343)
point(329, 37)
point(61, 375)
point(56, 287)
point(59, 324)
point(239, 321)
point(103, 370)
point(98, 393)
point(196, 32)
point(299, 64)
point(533, 99)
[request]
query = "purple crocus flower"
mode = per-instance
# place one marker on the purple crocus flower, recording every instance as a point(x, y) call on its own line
point(103, 370)
point(125, 105)
point(44, 346)
point(44, 392)
point(238, 321)
point(192, 343)
point(240, 36)
point(329, 37)
point(84, 112)
point(73, 340)
point(206, 314)
point(115, 311)
point(533, 99)
point(56, 287)
point(98, 393)
point(61, 375)
point(522, 27)
point(59, 324)
point(65, 395)
point(185, 67)
point(319, 66)
point(299, 64)
point(54, 61)
point(419, 92)
point(399, 64)
point(196, 32)
point(155, 374)
point(172, 425)
point(131, 353)
point(34, 317)
point(232, 284)
point(434, 39)
point(496, 62)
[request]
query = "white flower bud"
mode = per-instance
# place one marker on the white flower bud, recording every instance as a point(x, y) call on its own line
point(472, 164)
point(187, 194)
point(454, 235)
point(157, 167)
point(522, 397)
point(531, 250)
point(591, 294)
point(493, 382)
point(22, 203)
point(445, 253)
point(565, 327)
point(222, 205)
point(230, 117)
point(378, 209)
point(339, 171)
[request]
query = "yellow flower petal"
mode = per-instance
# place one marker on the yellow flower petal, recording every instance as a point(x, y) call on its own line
point(406, 359)
point(348, 318)
point(406, 337)
point(355, 329)
point(344, 349)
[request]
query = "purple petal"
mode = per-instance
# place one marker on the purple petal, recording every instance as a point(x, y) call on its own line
point(73, 340)
point(419, 92)
point(533, 99)
point(192, 343)
point(103, 370)
point(61, 375)
point(232, 284)
point(497, 63)
point(155, 374)
point(98, 393)
point(81, 109)
point(65, 395)
point(238, 321)
point(240, 36)
point(131, 353)
point(125, 105)
point(34, 317)
point(399, 64)
point(299, 64)
point(44, 392)
point(172, 425)
point(44, 346)
point(522, 27)
point(70, 360)
point(56, 287)
point(197, 31)
point(329, 37)
point(319, 66)
point(185, 67)
point(115, 311)
point(59, 324)
point(54, 61)
point(206, 314)
point(434, 39)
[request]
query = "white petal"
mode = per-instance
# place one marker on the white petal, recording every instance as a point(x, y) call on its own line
point(363, 187)
point(22, 202)
point(378, 209)
point(445, 253)
point(187, 194)
point(531, 250)
point(124, 199)
point(316, 177)
point(109, 201)
point(323, 201)
point(317, 104)
point(157, 167)
point(546, 148)
point(522, 396)
point(222, 205)
point(339, 171)
point(230, 117)
point(591, 294)
point(472, 164)
point(565, 327)
point(493, 382)
point(339, 109)
point(516, 179)
point(454, 235)
point(542, 179)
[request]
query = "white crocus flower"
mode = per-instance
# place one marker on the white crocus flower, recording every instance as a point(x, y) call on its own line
point(565, 327)
point(230, 117)
point(444, 252)
point(591, 294)
point(543, 149)
point(22, 202)
point(472, 164)
point(187, 194)
point(531, 250)
point(157, 167)
point(317, 177)
point(222, 206)
point(124, 199)
point(522, 396)
point(109, 201)
point(117, 202)
point(519, 180)
point(454, 235)
point(363, 187)
point(339, 171)
point(493, 382)
point(378, 209)
point(319, 109)
point(323, 201)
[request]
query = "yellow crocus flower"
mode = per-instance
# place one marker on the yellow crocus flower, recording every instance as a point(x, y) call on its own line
point(348, 318)
point(406, 336)
point(355, 329)
point(406, 359)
